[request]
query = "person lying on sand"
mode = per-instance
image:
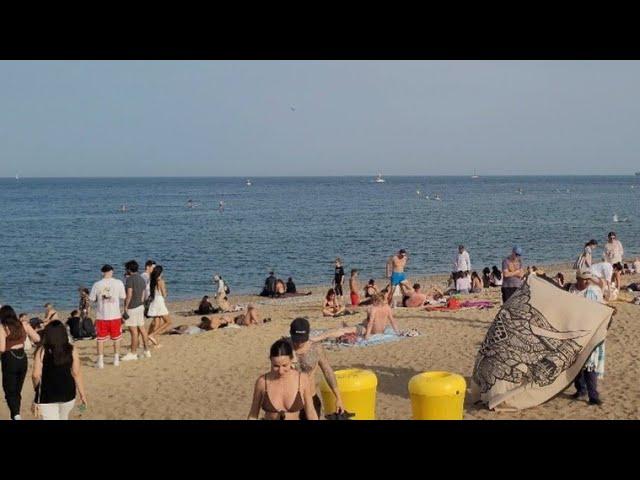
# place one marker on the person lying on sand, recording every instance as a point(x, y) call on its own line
point(379, 317)
point(412, 297)
point(282, 393)
point(250, 318)
point(205, 325)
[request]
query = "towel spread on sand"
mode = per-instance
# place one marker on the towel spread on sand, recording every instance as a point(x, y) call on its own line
point(377, 339)
point(537, 344)
point(455, 304)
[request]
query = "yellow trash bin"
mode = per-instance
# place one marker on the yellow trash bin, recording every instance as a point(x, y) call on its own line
point(358, 391)
point(437, 396)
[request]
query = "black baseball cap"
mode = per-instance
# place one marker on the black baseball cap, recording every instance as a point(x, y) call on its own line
point(299, 330)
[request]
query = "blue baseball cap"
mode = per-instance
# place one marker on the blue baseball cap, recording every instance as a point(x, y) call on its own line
point(517, 250)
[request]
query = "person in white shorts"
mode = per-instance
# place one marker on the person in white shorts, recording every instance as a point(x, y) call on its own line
point(134, 310)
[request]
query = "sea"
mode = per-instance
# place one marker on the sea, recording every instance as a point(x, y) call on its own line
point(57, 232)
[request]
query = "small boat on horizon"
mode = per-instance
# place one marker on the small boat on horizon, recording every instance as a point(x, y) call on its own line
point(379, 179)
point(248, 182)
point(475, 175)
point(17, 177)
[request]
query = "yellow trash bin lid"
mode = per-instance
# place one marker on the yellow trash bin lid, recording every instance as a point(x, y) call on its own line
point(351, 380)
point(437, 384)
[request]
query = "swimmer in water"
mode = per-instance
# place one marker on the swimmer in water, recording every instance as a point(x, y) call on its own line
point(123, 208)
point(190, 204)
point(221, 206)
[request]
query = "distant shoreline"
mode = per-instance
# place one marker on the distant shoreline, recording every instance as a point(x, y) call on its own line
point(244, 177)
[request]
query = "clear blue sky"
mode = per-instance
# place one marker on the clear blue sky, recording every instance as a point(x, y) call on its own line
point(351, 118)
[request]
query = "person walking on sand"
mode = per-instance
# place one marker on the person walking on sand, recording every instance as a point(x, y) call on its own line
point(308, 356)
point(282, 393)
point(107, 294)
point(462, 261)
point(586, 382)
point(158, 308)
point(613, 251)
point(57, 377)
point(134, 311)
point(354, 287)
point(338, 279)
point(146, 276)
point(512, 273)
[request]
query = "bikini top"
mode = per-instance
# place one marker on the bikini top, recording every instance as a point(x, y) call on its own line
point(268, 407)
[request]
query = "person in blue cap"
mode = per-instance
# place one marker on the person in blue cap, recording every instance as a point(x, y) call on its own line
point(512, 273)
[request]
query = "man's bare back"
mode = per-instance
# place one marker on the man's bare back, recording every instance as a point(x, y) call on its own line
point(380, 316)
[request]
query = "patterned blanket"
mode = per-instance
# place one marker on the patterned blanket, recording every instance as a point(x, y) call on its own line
point(538, 342)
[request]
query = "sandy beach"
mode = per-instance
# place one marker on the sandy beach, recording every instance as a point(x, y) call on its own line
point(211, 375)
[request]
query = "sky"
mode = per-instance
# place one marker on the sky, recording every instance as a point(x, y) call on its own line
point(279, 118)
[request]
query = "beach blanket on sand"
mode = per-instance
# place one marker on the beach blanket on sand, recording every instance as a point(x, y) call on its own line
point(378, 339)
point(537, 344)
point(455, 304)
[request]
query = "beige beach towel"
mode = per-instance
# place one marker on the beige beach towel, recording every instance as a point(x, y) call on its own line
point(538, 342)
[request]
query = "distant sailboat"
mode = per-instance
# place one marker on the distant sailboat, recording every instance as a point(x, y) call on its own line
point(379, 179)
point(437, 197)
point(248, 183)
point(615, 218)
point(418, 192)
point(17, 177)
point(475, 175)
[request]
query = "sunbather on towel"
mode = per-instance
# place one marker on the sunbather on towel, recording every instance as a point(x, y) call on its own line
point(379, 316)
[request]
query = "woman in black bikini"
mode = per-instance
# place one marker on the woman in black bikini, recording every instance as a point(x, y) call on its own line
point(283, 392)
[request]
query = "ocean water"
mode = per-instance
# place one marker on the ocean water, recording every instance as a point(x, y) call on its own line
point(57, 233)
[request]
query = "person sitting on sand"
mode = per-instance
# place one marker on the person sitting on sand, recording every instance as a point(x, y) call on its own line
point(269, 289)
point(414, 298)
point(636, 265)
point(308, 356)
point(379, 319)
point(463, 282)
point(496, 277)
point(486, 277)
point(332, 307)
point(205, 307)
point(80, 328)
point(291, 287)
point(476, 283)
point(282, 393)
point(281, 288)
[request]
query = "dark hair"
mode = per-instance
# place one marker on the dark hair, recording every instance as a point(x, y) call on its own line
point(9, 319)
point(474, 274)
point(131, 266)
point(149, 263)
point(591, 242)
point(618, 266)
point(20, 315)
point(155, 275)
point(416, 286)
point(329, 293)
point(55, 341)
point(74, 313)
point(354, 270)
point(402, 250)
point(371, 281)
point(560, 276)
point(205, 323)
point(496, 273)
point(612, 234)
point(106, 268)
point(281, 348)
point(486, 271)
point(84, 290)
point(271, 273)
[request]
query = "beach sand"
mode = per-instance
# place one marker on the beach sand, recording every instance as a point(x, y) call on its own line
point(211, 376)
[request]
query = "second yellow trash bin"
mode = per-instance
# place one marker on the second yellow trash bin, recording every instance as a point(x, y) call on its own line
point(358, 391)
point(437, 396)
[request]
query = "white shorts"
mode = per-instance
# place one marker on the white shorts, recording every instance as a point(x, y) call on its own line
point(136, 317)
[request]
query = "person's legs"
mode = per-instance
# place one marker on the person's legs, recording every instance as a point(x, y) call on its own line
point(591, 381)
point(580, 384)
point(166, 319)
point(133, 331)
point(507, 292)
point(49, 411)
point(64, 409)
point(143, 335)
point(14, 371)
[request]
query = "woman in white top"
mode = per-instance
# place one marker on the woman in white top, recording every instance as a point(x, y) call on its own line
point(613, 251)
point(157, 308)
point(463, 282)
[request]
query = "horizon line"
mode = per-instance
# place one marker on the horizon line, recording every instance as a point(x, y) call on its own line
point(326, 176)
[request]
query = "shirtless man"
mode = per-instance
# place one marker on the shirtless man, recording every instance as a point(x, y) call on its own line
point(395, 269)
point(413, 297)
point(308, 356)
point(354, 287)
point(378, 319)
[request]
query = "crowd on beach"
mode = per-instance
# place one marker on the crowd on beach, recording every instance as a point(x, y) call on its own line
point(287, 390)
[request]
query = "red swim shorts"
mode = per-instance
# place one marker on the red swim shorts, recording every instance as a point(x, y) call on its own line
point(355, 299)
point(109, 329)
